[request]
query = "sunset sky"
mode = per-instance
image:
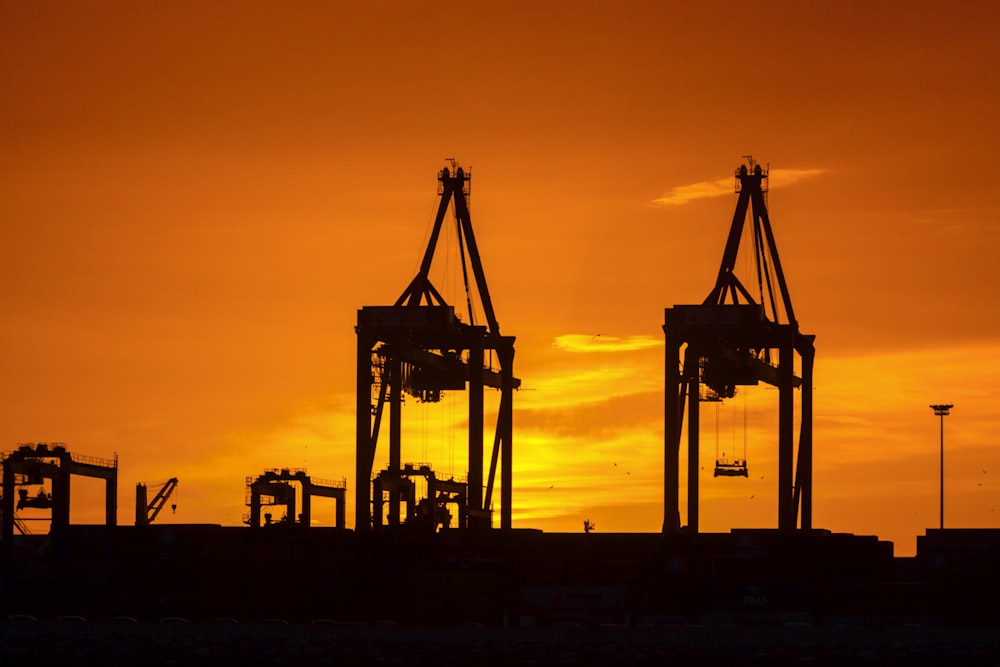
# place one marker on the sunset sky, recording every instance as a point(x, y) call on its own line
point(197, 197)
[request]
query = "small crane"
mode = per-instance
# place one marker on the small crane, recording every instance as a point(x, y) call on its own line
point(145, 512)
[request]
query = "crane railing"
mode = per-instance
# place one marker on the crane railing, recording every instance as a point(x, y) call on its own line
point(95, 461)
point(330, 483)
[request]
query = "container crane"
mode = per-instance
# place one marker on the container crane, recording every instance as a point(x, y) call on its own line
point(736, 337)
point(420, 347)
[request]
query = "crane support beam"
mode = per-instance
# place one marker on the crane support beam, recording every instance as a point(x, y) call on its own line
point(395, 427)
point(475, 459)
point(673, 408)
point(693, 451)
point(452, 371)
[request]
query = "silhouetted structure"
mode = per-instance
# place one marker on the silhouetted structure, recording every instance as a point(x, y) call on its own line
point(730, 340)
point(146, 511)
point(788, 580)
point(430, 512)
point(275, 487)
point(32, 463)
point(942, 410)
point(418, 346)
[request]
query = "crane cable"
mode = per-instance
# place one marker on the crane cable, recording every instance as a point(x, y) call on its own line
point(745, 400)
point(717, 432)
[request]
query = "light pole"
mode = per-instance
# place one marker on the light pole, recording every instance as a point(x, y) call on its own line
point(942, 411)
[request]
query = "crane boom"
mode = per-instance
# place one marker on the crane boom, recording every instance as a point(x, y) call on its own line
point(146, 512)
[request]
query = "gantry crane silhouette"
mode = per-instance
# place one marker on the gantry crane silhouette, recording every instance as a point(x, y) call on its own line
point(277, 486)
point(420, 347)
point(730, 339)
point(32, 463)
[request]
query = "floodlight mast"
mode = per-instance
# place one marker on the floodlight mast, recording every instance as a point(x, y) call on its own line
point(942, 410)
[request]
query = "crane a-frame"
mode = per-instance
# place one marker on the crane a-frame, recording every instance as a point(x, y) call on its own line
point(730, 339)
point(420, 347)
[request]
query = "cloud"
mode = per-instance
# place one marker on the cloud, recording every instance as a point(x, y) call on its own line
point(601, 417)
point(784, 177)
point(603, 343)
point(682, 194)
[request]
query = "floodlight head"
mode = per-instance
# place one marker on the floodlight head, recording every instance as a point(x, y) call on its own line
point(941, 410)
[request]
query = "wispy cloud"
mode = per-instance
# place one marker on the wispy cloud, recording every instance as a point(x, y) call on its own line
point(603, 343)
point(597, 419)
point(784, 177)
point(682, 194)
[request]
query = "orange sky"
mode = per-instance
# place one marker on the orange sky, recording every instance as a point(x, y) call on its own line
point(197, 197)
